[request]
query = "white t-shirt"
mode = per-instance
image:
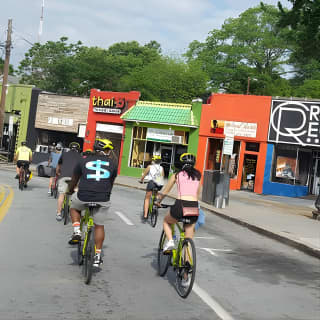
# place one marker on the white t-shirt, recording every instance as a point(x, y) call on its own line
point(156, 174)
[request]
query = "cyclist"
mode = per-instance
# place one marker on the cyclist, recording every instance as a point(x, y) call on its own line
point(154, 173)
point(96, 174)
point(66, 165)
point(53, 162)
point(188, 185)
point(23, 155)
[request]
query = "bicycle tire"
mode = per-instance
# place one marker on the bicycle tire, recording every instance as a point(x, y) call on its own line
point(55, 193)
point(80, 256)
point(21, 179)
point(186, 266)
point(66, 210)
point(89, 256)
point(154, 216)
point(163, 259)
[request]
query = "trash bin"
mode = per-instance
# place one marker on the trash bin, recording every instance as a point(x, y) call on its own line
point(210, 182)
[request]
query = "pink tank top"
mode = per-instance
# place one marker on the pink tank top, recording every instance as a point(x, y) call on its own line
point(186, 186)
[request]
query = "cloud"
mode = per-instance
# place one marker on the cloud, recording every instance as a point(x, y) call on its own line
point(174, 24)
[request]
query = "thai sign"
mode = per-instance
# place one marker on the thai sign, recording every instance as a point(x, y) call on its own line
point(295, 122)
point(112, 105)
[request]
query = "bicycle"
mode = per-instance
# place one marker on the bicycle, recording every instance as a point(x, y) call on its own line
point(153, 208)
point(65, 212)
point(23, 177)
point(86, 246)
point(54, 189)
point(182, 258)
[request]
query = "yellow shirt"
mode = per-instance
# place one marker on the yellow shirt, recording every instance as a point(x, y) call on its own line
point(23, 153)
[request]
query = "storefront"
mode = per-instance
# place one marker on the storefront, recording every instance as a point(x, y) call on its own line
point(233, 133)
point(59, 119)
point(157, 128)
point(105, 110)
point(293, 155)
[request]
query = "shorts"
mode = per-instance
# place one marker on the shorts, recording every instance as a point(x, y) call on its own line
point(176, 210)
point(99, 215)
point(20, 162)
point(151, 185)
point(53, 172)
point(63, 185)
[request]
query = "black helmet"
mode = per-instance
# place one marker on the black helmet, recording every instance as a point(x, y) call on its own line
point(74, 146)
point(23, 143)
point(102, 144)
point(188, 159)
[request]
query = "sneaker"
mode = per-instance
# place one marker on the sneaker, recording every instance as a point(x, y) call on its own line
point(75, 238)
point(169, 246)
point(49, 192)
point(97, 261)
point(185, 283)
point(58, 217)
point(17, 176)
point(144, 219)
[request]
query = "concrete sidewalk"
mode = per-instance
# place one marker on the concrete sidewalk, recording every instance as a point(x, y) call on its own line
point(288, 220)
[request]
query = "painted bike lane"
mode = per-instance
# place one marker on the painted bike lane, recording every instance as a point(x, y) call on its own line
point(6, 197)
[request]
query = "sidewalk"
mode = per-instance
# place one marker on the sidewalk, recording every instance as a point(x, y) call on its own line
point(285, 219)
point(288, 220)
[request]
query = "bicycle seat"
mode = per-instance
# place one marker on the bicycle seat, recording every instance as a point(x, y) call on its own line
point(92, 205)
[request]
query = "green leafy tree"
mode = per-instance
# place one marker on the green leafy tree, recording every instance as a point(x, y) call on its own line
point(169, 80)
point(309, 89)
point(251, 45)
point(11, 68)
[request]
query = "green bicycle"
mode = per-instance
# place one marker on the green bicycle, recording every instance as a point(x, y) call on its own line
point(86, 247)
point(182, 259)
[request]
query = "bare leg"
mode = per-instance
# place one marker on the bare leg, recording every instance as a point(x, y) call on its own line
point(75, 215)
point(60, 202)
point(167, 222)
point(99, 236)
point(189, 230)
point(50, 182)
point(18, 171)
point(146, 203)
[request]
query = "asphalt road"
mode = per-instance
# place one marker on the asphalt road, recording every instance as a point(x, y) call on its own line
point(240, 274)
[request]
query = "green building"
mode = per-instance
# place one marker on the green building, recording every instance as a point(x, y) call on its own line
point(157, 128)
point(17, 109)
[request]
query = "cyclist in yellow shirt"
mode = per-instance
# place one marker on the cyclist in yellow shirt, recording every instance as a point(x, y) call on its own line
point(22, 155)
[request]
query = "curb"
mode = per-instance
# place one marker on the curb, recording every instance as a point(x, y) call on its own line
point(290, 242)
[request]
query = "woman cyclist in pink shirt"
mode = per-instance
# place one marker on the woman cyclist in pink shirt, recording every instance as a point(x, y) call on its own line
point(188, 184)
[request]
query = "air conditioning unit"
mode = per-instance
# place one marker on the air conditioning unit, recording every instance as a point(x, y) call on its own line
point(177, 139)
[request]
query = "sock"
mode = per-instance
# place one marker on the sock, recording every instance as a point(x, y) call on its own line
point(98, 252)
point(76, 227)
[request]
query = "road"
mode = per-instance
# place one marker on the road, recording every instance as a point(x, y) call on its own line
point(240, 274)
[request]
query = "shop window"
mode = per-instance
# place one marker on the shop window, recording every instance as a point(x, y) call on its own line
point(214, 156)
point(291, 165)
point(252, 146)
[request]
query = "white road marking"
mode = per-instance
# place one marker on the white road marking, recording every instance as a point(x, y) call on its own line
point(124, 218)
point(204, 238)
point(214, 305)
point(212, 251)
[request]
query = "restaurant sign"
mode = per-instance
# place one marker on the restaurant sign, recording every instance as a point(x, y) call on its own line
point(295, 122)
point(111, 105)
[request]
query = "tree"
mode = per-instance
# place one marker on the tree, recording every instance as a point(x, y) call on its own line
point(248, 46)
point(11, 68)
point(168, 80)
point(309, 89)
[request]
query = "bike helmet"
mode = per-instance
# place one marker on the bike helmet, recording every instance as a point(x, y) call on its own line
point(188, 159)
point(103, 144)
point(59, 147)
point(156, 158)
point(87, 152)
point(74, 146)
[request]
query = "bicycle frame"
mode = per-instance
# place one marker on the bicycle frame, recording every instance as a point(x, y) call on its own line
point(152, 199)
point(176, 253)
point(87, 220)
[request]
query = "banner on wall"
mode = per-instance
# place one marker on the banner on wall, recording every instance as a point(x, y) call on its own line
point(295, 122)
point(234, 128)
point(159, 134)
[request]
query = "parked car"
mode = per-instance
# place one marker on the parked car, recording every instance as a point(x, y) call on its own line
point(43, 170)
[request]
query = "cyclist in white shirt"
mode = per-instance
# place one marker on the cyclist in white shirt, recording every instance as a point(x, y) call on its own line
point(155, 174)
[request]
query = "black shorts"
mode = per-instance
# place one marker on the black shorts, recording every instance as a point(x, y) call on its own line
point(53, 172)
point(151, 185)
point(23, 162)
point(176, 210)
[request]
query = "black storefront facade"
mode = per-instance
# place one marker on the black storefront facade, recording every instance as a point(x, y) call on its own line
point(293, 157)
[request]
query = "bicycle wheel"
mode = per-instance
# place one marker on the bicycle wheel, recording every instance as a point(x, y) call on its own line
point(154, 216)
point(80, 256)
point(163, 259)
point(66, 210)
point(21, 179)
point(186, 271)
point(89, 256)
point(55, 192)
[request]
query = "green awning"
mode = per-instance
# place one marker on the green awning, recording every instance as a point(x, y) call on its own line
point(162, 113)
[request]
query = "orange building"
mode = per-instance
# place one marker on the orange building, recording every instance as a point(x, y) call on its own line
point(235, 127)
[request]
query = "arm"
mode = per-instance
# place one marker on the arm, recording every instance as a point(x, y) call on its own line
point(16, 155)
point(145, 173)
point(167, 188)
point(30, 156)
point(75, 178)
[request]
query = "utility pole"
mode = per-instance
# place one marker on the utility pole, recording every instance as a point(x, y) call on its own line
point(5, 79)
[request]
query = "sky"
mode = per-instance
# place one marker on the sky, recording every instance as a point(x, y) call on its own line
point(172, 23)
